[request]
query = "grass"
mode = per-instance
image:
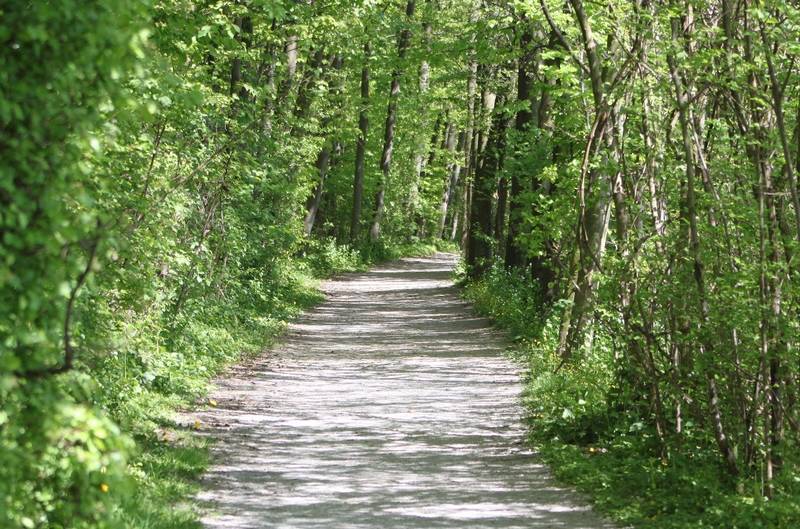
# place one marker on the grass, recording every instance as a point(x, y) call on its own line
point(647, 493)
point(167, 472)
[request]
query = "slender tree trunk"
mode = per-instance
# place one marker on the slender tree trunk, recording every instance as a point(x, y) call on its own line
point(291, 68)
point(302, 104)
point(594, 199)
point(514, 257)
point(451, 184)
point(323, 158)
point(420, 154)
point(502, 194)
point(777, 106)
point(466, 200)
point(313, 203)
point(470, 147)
point(480, 225)
point(391, 119)
point(682, 100)
point(271, 91)
point(541, 264)
point(500, 214)
point(279, 104)
point(361, 148)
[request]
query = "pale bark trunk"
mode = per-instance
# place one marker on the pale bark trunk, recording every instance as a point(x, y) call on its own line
point(419, 156)
point(451, 184)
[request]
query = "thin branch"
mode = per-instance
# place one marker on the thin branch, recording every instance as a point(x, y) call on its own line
point(561, 38)
point(222, 148)
point(69, 350)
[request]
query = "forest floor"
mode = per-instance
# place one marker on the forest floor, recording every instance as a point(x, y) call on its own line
point(388, 405)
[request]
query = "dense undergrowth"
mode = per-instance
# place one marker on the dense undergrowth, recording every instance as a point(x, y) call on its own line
point(140, 466)
point(597, 437)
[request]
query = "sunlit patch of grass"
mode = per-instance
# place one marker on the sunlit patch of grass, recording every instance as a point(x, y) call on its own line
point(166, 469)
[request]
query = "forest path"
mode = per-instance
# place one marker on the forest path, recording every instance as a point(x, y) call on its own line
point(390, 405)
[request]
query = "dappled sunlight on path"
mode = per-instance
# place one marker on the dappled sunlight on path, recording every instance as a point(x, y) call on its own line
point(391, 405)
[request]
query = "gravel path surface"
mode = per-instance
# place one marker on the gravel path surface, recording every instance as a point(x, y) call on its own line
point(390, 405)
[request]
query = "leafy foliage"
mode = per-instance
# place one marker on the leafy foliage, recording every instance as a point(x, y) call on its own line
point(620, 176)
point(608, 449)
point(157, 159)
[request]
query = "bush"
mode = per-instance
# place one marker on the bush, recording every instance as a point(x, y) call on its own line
point(602, 441)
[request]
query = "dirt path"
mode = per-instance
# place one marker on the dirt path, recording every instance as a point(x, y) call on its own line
point(388, 406)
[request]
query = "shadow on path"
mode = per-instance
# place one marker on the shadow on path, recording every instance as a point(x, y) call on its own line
point(390, 405)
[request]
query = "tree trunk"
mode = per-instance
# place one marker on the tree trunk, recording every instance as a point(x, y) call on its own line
point(480, 225)
point(419, 156)
point(451, 184)
point(594, 199)
point(541, 264)
point(312, 205)
point(514, 257)
point(361, 147)
point(682, 103)
point(323, 158)
point(388, 136)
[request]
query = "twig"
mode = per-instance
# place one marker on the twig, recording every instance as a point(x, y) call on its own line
point(69, 350)
point(561, 38)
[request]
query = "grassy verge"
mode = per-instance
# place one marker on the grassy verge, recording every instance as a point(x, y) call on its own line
point(169, 458)
point(596, 442)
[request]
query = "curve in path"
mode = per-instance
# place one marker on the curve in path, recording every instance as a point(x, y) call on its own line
point(390, 405)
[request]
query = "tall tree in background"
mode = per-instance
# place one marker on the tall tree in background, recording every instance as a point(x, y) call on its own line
point(361, 146)
point(514, 257)
point(403, 42)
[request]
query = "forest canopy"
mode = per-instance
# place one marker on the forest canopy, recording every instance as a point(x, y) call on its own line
point(620, 176)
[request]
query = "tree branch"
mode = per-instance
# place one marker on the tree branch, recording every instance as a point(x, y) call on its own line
point(561, 38)
point(69, 350)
